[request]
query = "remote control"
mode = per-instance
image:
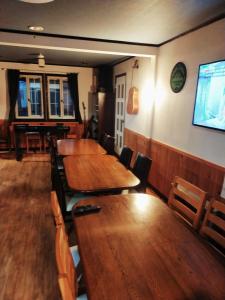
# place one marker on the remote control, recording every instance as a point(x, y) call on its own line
point(86, 209)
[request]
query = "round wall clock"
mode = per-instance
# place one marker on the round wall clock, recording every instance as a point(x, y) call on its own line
point(178, 77)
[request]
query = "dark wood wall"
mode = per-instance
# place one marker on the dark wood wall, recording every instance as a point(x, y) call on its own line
point(169, 161)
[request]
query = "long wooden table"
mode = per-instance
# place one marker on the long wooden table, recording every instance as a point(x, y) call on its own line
point(79, 147)
point(97, 173)
point(136, 248)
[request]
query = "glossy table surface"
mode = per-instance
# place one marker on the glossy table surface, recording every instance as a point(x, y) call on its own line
point(94, 173)
point(79, 147)
point(136, 248)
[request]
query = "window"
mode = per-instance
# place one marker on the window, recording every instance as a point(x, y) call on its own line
point(30, 98)
point(35, 97)
point(60, 104)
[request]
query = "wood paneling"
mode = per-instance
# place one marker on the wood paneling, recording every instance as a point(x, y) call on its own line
point(28, 268)
point(168, 162)
point(137, 142)
point(3, 133)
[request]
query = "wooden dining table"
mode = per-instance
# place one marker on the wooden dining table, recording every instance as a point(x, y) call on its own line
point(135, 247)
point(97, 173)
point(79, 147)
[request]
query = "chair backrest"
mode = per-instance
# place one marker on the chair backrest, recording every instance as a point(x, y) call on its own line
point(213, 225)
point(108, 144)
point(102, 139)
point(56, 210)
point(65, 289)
point(65, 262)
point(187, 200)
point(60, 192)
point(126, 156)
point(141, 169)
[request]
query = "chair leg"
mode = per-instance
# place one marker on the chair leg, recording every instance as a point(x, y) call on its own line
point(27, 144)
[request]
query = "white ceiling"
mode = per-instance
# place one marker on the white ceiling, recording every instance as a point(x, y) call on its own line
point(151, 22)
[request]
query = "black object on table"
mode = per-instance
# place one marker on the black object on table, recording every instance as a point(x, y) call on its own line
point(86, 209)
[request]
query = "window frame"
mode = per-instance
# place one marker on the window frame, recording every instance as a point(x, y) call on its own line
point(62, 101)
point(30, 116)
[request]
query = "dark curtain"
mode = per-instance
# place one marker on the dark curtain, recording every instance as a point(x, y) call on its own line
point(73, 86)
point(13, 86)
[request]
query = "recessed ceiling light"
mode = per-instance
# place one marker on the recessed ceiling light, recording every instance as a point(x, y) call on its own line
point(36, 1)
point(36, 28)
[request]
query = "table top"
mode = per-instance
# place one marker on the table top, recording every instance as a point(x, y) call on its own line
point(79, 147)
point(93, 173)
point(136, 248)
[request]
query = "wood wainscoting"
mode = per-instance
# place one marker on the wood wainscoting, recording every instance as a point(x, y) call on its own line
point(137, 142)
point(168, 162)
point(76, 129)
point(4, 131)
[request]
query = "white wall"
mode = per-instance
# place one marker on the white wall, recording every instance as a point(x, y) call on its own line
point(172, 122)
point(143, 79)
point(84, 81)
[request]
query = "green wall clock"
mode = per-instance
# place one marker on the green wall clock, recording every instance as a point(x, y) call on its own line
point(178, 77)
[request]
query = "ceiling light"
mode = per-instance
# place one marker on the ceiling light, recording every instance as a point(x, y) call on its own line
point(36, 28)
point(36, 1)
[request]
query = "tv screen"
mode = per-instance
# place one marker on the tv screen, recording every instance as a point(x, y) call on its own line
point(209, 108)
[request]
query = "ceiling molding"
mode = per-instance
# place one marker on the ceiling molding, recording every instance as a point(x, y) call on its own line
point(75, 37)
point(213, 20)
point(76, 45)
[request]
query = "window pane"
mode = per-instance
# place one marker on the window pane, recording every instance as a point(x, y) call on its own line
point(22, 98)
point(54, 87)
point(35, 97)
point(68, 103)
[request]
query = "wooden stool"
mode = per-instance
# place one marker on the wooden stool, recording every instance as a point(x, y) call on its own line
point(33, 139)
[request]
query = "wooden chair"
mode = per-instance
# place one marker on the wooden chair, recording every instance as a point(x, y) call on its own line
point(65, 288)
point(66, 271)
point(66, 197)
point(56, 210)
point(141, 170)
point(213, 226)
point(126, 156)
point(60, 222)
point(188, 201)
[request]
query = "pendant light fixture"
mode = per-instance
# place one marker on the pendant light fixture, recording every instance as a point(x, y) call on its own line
point(36, 1)
point(41, 60)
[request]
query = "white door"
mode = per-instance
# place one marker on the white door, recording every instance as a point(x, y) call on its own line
point(120, 112)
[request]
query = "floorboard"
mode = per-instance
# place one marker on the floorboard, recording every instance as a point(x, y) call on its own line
point(27, 243)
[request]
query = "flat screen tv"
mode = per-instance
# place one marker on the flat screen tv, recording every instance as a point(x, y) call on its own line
point(209, 108)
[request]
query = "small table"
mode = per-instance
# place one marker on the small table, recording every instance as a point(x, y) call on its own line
point(97, 173)
point(79, 147)
point(136, 248)
point(41, 129)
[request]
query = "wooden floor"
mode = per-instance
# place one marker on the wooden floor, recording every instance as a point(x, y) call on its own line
point(27, 260)
point(27, 240)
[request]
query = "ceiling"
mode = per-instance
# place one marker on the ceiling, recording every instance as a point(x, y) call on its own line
point(147, 22)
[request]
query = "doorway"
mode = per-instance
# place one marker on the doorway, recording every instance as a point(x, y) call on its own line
point(120, 112)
